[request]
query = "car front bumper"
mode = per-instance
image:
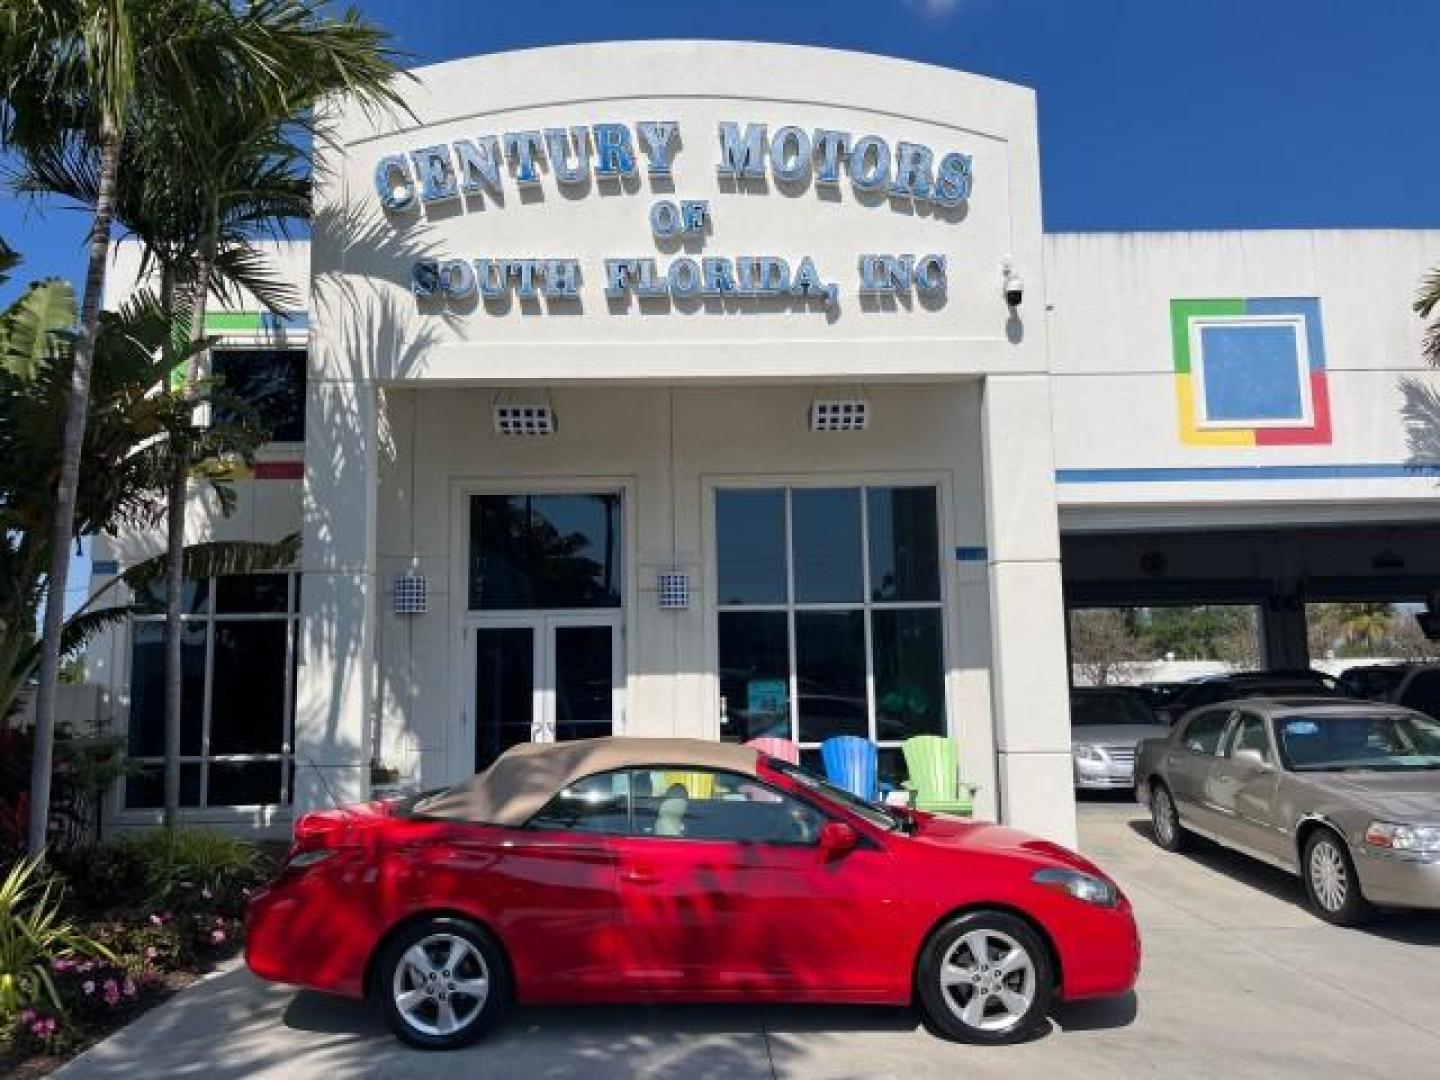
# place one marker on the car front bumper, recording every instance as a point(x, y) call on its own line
point(1104, 775)
point(1399, 880)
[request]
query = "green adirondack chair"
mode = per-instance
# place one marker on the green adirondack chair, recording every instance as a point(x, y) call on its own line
point(935, 785)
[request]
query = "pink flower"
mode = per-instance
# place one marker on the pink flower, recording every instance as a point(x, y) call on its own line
point(88, 986)
point(112, 992)
point(217, 936)
point(59, 964)
point(129, 987)
point(157, 920)
point(27, 1015)
point(151, 952)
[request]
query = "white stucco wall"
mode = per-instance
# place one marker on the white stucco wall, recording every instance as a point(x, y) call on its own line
point(1114, 378)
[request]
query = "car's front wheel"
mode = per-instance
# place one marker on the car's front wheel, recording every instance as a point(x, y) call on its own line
point(1165, 819)
point(985, 977)
point(441, 982)
point(1331, 882)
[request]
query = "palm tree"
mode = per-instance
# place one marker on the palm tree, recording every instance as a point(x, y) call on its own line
point(1427, 303)
point(68, 76)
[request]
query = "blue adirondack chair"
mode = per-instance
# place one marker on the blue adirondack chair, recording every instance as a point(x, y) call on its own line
point(850, 763)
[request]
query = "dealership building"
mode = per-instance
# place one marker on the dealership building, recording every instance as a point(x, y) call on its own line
point(724, 390)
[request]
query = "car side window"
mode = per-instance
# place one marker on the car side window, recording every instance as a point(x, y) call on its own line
point(1202, 733)
point(1423, 693)
point(1249, 734)
point(704, 804)
point(597, 804)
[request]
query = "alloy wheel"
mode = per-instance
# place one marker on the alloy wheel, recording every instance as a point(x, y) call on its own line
point(1329, 878)
point(1162, 811)
point(441, 985)
point(987, 979)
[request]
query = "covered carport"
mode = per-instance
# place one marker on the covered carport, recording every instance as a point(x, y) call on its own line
point(1278, 569)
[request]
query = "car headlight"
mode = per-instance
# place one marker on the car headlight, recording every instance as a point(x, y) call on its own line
point(1082, 886)
point(1086, 752)
point(1420, 839)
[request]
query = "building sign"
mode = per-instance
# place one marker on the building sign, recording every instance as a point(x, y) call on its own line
point(791, 158)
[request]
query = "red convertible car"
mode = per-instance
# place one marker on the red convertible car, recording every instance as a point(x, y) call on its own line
point(618, 870)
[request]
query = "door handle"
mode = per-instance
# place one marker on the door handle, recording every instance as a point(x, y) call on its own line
point(640, 876)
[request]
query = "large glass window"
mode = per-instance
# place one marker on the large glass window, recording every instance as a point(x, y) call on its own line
point(545, 551)
point(267, 385)
point(238, 642)
point(830, 615)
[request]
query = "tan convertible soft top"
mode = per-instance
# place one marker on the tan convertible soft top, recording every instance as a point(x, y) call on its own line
point(526, 777)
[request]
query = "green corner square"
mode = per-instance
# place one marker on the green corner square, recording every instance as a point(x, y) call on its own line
point(1182, 311)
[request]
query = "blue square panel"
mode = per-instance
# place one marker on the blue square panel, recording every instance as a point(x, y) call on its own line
point(1251, 373)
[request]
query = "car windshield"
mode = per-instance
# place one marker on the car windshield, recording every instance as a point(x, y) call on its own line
point(1319, 743)
point(1093, 710)
point(886, 817)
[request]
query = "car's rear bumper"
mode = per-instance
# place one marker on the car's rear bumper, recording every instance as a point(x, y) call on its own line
point(1395, 880)
point(290, 939)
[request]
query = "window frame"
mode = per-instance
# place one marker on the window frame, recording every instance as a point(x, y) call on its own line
point(1232, 734)
point(863, 483)
point(286, 755)
point(1203, 713)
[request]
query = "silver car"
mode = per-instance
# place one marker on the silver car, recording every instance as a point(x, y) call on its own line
point(1106, 724)
point(1345, 794)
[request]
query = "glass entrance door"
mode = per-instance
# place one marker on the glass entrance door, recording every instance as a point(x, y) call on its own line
point(543, 677)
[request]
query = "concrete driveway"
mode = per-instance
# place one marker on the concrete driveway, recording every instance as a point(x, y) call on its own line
point(1240, 981)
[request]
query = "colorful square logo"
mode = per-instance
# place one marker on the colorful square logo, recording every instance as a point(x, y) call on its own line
point(1250, 372)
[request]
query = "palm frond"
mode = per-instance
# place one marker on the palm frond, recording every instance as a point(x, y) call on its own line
point(8, 261)
point(219, 559)
point(1427, 303)
point(29, 328)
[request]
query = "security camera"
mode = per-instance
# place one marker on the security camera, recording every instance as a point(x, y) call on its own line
point(1014, 289)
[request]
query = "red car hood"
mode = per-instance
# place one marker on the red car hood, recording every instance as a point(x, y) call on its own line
point(987, 837)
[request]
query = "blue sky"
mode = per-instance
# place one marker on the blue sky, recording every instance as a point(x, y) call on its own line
point(1154, 114)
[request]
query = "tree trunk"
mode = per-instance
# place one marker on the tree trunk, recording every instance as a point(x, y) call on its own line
point(175, 550)
point(174, 656)
point(63, 522)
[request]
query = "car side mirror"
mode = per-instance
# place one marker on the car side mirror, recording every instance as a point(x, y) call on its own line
point(1252, 757)
point(836, 838)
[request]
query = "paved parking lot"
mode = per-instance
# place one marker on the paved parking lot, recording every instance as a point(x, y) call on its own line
point(1240, 981)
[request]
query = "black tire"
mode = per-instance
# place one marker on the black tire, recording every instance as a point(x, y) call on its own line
point(445, 1015)
point(1331, 883)
point(947, 978)
point(1165, 819)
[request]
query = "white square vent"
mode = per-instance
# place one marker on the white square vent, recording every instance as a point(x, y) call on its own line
point(851, 414)
point(673, 590)
point(524, 420)
point(411, 595)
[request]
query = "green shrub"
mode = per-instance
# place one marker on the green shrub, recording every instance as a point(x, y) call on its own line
point(179, 864)
point(32, 936)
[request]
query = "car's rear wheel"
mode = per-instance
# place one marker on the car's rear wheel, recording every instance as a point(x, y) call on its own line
point(441, 982)
point(985, 977)
point(1331, 882)
point(1165, 819)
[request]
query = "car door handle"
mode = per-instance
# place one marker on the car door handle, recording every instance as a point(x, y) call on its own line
point(640, 876)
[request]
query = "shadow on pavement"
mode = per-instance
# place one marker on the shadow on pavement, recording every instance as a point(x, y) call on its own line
point(324, 1014)
point(1409, 927)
